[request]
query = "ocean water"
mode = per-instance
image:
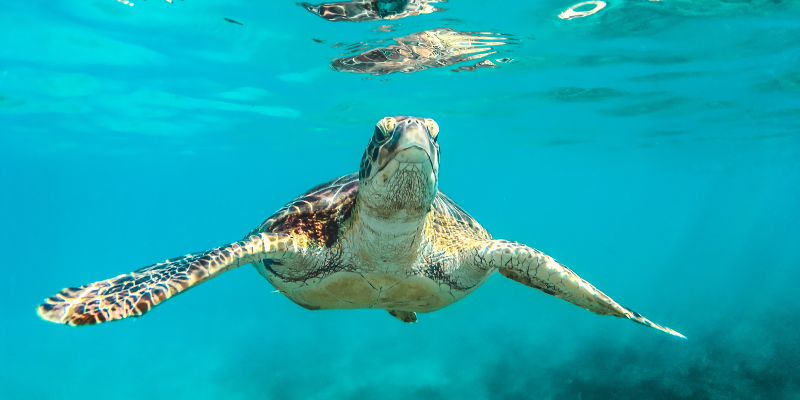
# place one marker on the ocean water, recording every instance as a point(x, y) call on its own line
point(653, 147)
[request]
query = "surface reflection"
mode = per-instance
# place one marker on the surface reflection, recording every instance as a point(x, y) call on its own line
point(434, 48)
point(371, 10)
point(572, 12)
point(487, 63)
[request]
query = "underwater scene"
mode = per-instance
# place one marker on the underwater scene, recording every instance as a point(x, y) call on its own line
point(651, 147)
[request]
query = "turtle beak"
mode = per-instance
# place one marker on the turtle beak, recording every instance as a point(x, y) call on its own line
point(414, 143)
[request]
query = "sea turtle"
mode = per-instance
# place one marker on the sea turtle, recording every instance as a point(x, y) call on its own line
point(434, 48)
point(372, 10)
point(383, 238)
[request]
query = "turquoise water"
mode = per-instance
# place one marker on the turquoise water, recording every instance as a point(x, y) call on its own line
point(653, 147)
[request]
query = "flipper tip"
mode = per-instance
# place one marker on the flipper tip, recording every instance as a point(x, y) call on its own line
point(674, 333)
point(49, 312)
point(638, 318)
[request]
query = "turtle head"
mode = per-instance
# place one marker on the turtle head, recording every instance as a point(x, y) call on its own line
point(399, 173)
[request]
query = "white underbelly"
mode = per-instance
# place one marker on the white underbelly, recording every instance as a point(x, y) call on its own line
point(363, 290)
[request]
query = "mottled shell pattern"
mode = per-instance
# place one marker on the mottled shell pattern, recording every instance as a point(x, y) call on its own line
point(318, 213)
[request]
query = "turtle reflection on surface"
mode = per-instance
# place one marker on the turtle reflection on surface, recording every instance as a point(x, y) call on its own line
point(435, 48)
point(372, 10)
point(480, 64)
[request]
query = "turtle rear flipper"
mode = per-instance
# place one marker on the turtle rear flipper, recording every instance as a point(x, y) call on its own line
point(136, 293)
point(405, 316)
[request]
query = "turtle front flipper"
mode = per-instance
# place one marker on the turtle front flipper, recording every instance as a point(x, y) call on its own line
point(134, 294)
point(538, 270)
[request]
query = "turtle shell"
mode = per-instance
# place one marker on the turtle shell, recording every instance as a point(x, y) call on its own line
point(451, 217)
point(317, 213)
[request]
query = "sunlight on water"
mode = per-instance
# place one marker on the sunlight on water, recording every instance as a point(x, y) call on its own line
point(651, 146)
point(435, 48)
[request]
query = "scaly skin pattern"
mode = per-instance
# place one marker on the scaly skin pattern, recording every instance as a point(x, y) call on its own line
point(136, 293)
point(383, 238)
point(533, 268)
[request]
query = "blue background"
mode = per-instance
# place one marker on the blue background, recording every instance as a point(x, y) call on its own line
point(653, 147)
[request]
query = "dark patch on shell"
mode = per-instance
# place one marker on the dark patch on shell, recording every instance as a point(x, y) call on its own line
point(318, 213)
point(322, 226)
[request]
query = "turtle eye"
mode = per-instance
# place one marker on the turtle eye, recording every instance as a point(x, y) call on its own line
point(433, 127)
point(384, 129)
